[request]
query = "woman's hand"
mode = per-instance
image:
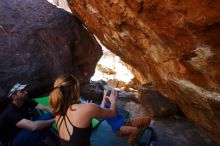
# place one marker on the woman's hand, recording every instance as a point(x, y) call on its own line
point(105, 93)
point(104, 98)
point(113, 96)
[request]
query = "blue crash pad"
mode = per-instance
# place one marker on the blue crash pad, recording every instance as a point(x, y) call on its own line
point(102, 135)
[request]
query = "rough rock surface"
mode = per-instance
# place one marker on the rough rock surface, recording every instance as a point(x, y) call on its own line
point(173, 44)
point(39, 41)
point(179, 132)
point(155, 103)
point(93, 91)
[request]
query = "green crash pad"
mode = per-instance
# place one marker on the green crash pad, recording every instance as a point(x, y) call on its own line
point(45, 101)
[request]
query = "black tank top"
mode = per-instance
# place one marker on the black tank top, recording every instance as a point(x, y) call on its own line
point(79, 137)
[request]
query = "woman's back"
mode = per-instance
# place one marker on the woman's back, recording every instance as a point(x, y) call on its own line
point(75, 127)
point(74, 119)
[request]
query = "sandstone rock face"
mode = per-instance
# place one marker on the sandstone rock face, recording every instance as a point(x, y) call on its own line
point(174, 44)
point(155, 103)
point(39, 41)
point(179, 132)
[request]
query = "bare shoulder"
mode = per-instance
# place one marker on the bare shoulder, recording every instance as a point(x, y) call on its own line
point(88, 109)
point(86, 106)
point(91, 106)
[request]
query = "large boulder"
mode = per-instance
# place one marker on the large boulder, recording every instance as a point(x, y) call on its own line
point(179, 132)
point(173, 44)
point(39, 42)
point(155, 103)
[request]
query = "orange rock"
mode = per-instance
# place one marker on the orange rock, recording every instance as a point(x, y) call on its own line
point(173, 44)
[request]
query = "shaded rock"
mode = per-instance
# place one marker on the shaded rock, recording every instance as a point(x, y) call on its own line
point(134, 108)
point(39, 42)
point(155, 103)
point(93, 91)
point(179, 132)
point(173, 44)
point(126, 96)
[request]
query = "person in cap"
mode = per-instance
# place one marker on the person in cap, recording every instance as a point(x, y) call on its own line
point(18, 128)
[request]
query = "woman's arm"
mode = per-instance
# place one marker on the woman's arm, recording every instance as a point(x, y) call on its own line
point(34, 125)
point(97, 112)
point(104, 99)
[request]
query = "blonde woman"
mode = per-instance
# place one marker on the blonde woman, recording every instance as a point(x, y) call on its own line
point(73, 119)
